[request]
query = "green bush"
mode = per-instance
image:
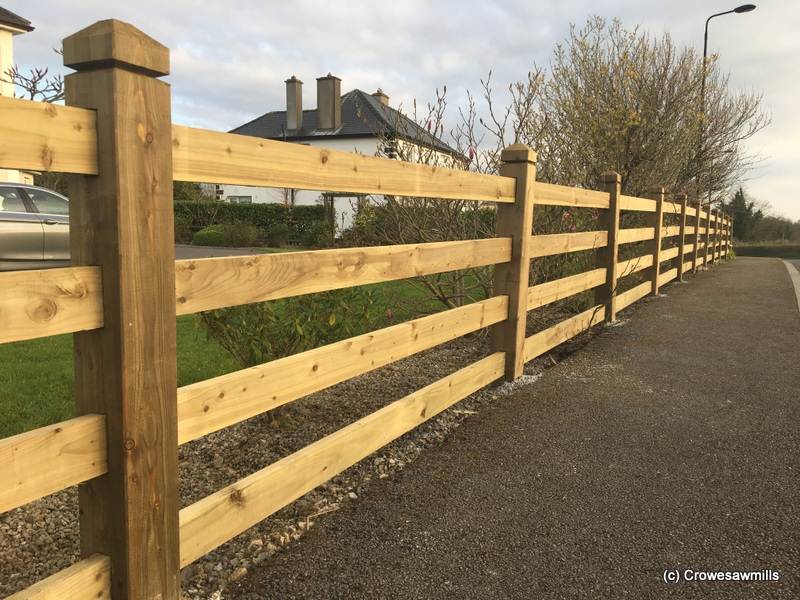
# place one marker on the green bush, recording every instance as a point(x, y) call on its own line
point(299, 219)
point(278, 235)
point(319, 235)
point(234, 235)
point(257, 333)
point(212, 235)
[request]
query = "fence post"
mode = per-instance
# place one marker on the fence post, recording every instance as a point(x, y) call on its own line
point(122, 220)
point(696, 252)
point(682, 234)
point(730, 235)
point(515, 221)
point(717, 234)
point(607, 257)
point(658, 220)
point(708, 235)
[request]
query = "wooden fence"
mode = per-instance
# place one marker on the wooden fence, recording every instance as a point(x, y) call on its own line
point(122, 295)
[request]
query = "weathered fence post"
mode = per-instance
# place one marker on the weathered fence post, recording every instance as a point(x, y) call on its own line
point(515, 221)
point(607, 257)
point(122, 221)
point(658, 224)
point(682, 234)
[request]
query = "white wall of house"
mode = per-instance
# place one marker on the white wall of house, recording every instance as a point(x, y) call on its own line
point(344, 206)
point(7, 89)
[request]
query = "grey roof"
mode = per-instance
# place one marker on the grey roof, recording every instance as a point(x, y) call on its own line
point(363, 115)
point(9, 18)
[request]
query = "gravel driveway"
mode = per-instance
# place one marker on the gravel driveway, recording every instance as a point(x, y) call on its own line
point(669, 442)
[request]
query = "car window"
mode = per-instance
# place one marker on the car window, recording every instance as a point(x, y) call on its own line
point(47, 203)
point(11, 201)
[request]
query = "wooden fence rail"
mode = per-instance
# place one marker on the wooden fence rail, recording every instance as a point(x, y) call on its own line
point(120, 300)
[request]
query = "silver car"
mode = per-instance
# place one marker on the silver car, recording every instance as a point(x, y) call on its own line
point(34, 227)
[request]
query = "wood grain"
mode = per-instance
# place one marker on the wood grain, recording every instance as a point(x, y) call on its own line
point(552, 291)
point(47, 302)
point(638, 234)
point(561, 195)
point(560, 243)
point(635, 203)
point(205, 156)
point(635, 264)
point(546, 340)
point(45, 460)
point(42, 136)
point(209, 283)
point(212, 404)
point(122, 221)
point(628, 297)
point(217, 518)
point(88, 579)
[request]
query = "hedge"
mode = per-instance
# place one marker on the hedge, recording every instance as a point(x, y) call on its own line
point(299, 219)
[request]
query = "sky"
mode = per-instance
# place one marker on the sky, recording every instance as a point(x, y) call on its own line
point(230, 59)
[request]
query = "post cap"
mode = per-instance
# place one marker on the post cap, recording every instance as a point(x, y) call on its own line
point(113, 43)
point(610, 177)
point(516, 153)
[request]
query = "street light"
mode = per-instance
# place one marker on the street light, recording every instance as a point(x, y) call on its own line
point(744, 8)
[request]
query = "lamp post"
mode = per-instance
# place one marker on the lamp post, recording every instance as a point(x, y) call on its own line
point(738, 10)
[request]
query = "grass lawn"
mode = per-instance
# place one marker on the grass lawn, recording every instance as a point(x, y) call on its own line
point(36, 378)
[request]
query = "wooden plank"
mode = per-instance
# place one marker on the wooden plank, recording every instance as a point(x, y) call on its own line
point(209, 283)
point(552, 291)
point(561, 195)
point(511, 279)
point(672, 208)
point(671, 231)
point(670, 253)
point(546, 340)
point(691, 211)
point(707, 239)
point(696, 251)
point(47, 302)
point(206, 156)
point(559, 243)
point(217, 518)
point(635, 203)
point(635, 264)
point(687, 266)
point(626, 298)
point(216, 403)
point(665, 278)
point(122, 221)
point(88, 579)
point(689, 229)
point(639, 234)
point(42, 136)
point(43, 461)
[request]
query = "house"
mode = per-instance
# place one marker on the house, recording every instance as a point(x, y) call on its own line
point(353, 122)
point(10, 25)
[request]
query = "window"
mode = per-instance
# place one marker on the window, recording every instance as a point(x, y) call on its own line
point(47, 203)
point(10, 200)
point(240, 199)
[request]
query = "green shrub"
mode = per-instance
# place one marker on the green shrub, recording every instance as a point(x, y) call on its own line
point(299, 219)
point(319, 235)
point(257, 333)
point(278, 235)
point(236, 235)
point(212, 235)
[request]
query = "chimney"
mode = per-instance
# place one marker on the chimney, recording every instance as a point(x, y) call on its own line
point(294, 103)
point(381, 97)
point(329, 102)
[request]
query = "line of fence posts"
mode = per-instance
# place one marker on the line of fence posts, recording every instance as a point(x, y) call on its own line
point(122, 221)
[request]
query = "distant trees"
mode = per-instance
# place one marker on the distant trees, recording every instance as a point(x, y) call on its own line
point(751, 223)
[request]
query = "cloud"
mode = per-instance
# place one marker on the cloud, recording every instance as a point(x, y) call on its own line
point(229, 59)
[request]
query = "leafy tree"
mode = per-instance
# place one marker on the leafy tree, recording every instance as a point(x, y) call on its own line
point(746, 215)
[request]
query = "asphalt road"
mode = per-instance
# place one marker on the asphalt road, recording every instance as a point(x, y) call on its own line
point(670, 442)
